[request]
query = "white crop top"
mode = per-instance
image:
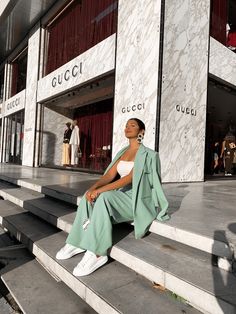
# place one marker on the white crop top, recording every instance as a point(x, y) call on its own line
point(124, 167)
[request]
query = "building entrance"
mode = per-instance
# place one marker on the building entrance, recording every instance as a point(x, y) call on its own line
point(91, 106)
point(14, 137)
point(220, 124)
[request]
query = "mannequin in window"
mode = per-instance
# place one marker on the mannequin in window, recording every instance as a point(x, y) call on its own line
point(74, 144)
point(216, 155)
point(227, 151)
point(66, 145)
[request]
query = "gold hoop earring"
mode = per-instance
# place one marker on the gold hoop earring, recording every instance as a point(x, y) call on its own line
point(140, 138)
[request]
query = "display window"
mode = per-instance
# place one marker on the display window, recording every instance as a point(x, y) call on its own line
point(223, 25)
point(1, 85)
point(78, 27)
point(19, 71)
point(14, 137)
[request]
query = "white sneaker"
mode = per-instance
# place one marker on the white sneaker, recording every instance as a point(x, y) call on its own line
point(89, 263)
point(68, 251)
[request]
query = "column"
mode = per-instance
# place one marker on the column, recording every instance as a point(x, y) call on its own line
point(31, 97)
point(184, 90)
point(137, 60)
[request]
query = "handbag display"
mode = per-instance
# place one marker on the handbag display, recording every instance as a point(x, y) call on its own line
point(79, 153)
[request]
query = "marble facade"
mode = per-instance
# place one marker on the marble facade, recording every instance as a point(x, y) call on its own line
point(97, 61)
point(31, 101)
point(14, 104)
point(184, 90)
point(134, 54)
point(137, 59)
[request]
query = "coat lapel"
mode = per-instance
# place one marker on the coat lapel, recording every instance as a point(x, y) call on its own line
point(118, 155)
point(138, 170)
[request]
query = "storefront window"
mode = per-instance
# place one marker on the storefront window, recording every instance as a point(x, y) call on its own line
point(81, 26)
point(19, 70)
point(1, 85)
point(95, 124)
point(223, 22)
point(14, 137)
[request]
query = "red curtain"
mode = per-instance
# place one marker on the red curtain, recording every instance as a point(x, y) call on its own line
point(14, 78)
point(219, 20)
point(95, 124)
point(1, 85)
point(80, 27)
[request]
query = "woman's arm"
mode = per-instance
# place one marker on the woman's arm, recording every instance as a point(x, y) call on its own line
point(104, 180)
point(113, 185)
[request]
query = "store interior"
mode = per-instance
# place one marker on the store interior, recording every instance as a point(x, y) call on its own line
point(91, 106)
point(221, 117)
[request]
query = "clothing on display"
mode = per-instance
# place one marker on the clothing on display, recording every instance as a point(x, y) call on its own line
point(74, 142)
point(66, 147)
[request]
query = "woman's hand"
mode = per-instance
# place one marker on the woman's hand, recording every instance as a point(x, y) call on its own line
point(91, 196)
point(88, 196)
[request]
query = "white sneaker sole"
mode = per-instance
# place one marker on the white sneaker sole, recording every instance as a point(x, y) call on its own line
point(60, 256)
point(80, 273)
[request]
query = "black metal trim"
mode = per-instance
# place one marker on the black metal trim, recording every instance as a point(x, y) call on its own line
point(160, 69)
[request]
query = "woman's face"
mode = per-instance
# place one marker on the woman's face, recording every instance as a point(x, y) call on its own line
point(132, 129)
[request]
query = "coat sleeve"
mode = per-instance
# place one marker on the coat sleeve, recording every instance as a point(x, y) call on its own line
point(163, 203)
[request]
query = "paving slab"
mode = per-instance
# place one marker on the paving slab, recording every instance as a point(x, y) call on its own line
point(113, 289)
point(37, 292)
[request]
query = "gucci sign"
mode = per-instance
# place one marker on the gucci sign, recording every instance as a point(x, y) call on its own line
point(13, 104)
point(132, 108)
point(186, 110)
point(67, 75)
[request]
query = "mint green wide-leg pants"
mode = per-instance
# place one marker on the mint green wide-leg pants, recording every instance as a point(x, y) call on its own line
point(111, 207)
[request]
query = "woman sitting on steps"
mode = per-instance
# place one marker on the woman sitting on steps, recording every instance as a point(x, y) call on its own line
point(134, 196)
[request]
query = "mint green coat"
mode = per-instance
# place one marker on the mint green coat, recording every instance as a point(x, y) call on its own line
point(148, 199)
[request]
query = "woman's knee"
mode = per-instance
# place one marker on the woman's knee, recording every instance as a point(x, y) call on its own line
point(106, 196)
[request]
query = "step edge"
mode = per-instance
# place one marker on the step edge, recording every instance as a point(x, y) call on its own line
point(13, 294)
point(180, 282)
point(94, 300)
point(202, 243)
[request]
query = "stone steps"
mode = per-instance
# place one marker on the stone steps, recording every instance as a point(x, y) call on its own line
point(114, 288)
point(36, 291)
point(25, 196)
point(183, 270)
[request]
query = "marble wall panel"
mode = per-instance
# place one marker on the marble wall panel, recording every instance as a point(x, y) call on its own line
point(14, 104)
point(137, 59)
point(95, 62)
point(31, 92)
point(222, 62)
point(184, 90)
point(3, 5)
